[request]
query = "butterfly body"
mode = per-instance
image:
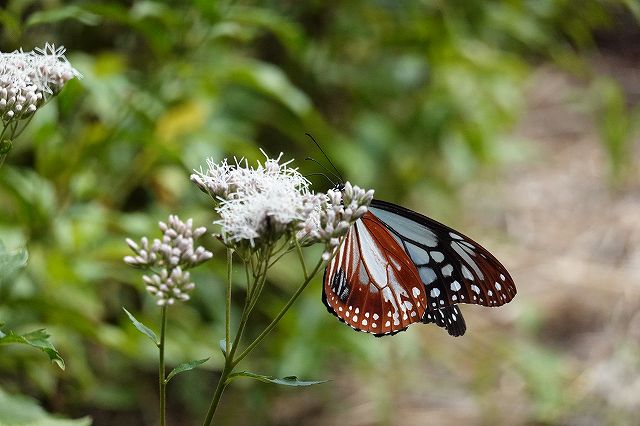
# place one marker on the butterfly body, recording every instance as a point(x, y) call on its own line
point(397, 267)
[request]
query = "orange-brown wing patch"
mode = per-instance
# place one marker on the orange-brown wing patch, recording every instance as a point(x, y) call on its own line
point(371, 284)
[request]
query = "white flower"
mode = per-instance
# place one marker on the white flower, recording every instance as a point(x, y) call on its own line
point(330, 222)
point(27, 79)
point(259, 203)
point(171, 257)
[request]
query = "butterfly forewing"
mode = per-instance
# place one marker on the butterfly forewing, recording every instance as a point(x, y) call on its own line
point(371, 284)
point(453, 268)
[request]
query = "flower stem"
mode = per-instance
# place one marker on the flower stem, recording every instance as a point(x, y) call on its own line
point(301, 257)
point(228, 303)
point(222, 383)
point(278, 317)
point(231, 361)
point(161, 378)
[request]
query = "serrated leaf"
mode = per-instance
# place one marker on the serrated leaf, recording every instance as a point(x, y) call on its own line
point(142, 328)
point(287, 381)
point(38, 339)
point(185, 366)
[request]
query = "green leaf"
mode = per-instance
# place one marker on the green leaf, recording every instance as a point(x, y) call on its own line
point(185, 366)
point(38, 339)
point(142, 328)
point(61, 14)
point(287, 381)
point(23, 410)
point(11, 261)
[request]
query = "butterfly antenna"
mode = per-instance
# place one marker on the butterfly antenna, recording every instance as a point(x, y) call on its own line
point(324, 168)
point(337, 172)
point(324, 176)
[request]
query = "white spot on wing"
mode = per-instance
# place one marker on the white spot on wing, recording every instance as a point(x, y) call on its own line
point(467, 273)
point(415, 291)
point(455, 286)
point(435, 292)
point(417, 254)
point(427, 275)
point(447, 270)
point(475, 289)
point(437, 256)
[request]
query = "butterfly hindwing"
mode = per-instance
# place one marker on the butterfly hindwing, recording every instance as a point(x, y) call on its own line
point(449, 318)
point(371, 284)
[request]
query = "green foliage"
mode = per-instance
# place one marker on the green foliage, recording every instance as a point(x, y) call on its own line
point(185, 366)
point(142, 328)
point(38, 339)
point(617, 123)
point(287, 381)
point(11, 262)
point(411, 98)
point(17, 410)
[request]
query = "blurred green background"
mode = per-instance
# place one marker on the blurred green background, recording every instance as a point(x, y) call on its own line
point(514, 121)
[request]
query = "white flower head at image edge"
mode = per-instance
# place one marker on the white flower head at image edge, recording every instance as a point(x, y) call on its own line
point(29, 79)
point(260, 204)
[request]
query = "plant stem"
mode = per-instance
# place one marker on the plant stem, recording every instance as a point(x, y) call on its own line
point(277, 319)
point(228, 303)
point(253, 294)
point(301, 257)
point(231, 348)
point(161, 378)
point(222, 383)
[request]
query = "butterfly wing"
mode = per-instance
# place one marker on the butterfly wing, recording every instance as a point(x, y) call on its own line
point(449, 318)
point(371, 284)
point(397, 267)
point(453, 268)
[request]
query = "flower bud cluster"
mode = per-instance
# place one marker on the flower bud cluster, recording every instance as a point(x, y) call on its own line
point(169, 258)
point(27, 79)
point(331, 222)
point(257, 205)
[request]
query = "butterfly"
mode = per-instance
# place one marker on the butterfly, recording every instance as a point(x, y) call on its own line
point(397, 267)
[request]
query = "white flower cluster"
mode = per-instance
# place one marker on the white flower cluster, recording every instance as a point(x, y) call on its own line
point(340, 209)
point(257, 204)
point(27, 79)
point(170, 258)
